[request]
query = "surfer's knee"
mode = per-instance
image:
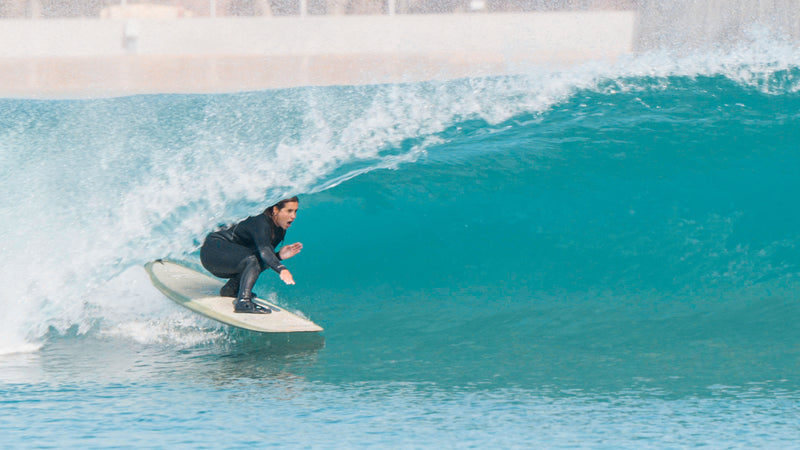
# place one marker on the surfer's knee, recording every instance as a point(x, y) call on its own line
point(251, 263)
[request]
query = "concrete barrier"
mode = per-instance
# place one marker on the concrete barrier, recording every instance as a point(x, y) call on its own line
point(95, 57)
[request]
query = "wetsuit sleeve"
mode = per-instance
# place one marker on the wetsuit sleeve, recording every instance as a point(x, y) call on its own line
point(260, 235)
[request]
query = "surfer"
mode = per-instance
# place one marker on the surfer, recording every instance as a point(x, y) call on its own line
point(242, 251)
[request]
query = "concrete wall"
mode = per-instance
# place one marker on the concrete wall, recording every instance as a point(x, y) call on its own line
point(95, 57)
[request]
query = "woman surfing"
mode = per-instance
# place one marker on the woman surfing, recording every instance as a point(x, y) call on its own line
point(242, 251)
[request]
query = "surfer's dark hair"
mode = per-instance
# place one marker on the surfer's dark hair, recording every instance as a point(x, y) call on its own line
point(281, 204)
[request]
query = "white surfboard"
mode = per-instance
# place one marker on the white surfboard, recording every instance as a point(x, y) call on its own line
point(200, 293)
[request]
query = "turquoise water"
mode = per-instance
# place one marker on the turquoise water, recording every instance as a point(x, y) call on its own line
point(600, 256)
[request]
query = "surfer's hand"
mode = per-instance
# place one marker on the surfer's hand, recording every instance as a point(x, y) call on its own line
point(286, 276)
point(290, 250)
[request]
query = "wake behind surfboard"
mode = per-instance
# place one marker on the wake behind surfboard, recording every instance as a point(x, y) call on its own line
point(200, 293)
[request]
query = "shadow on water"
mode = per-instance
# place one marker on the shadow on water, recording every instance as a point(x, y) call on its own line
point(273, 344)
point(255, 359)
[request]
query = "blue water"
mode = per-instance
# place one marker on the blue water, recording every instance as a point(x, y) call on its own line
point(600, 256)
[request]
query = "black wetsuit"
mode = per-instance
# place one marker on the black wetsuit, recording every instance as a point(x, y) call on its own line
point(242, 251)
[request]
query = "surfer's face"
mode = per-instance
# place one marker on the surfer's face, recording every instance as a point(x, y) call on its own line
point(285, 216)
